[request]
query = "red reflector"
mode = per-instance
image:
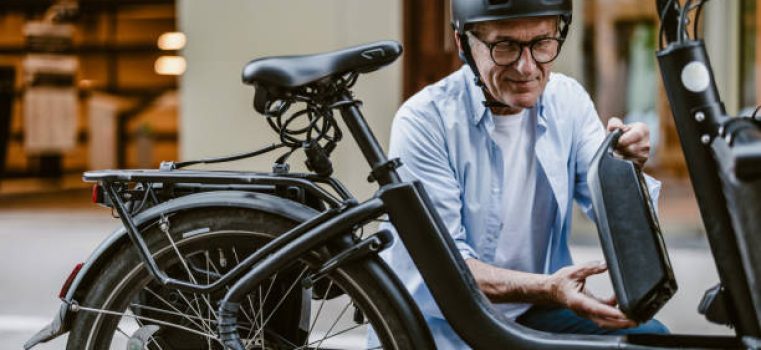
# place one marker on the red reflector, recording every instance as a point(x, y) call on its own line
point(97, 194)
point(69, 280)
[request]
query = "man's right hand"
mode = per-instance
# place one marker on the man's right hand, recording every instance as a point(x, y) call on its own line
point(568, 288)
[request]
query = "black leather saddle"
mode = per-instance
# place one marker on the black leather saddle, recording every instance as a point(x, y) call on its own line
point(295, 71)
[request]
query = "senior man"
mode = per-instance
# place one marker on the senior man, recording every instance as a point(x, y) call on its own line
point(503, 147)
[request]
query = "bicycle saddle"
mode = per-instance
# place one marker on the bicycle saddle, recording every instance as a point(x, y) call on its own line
point(295, 71)
point(630, 236)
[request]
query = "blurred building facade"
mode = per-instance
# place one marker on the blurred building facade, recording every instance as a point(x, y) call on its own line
point(83, 88)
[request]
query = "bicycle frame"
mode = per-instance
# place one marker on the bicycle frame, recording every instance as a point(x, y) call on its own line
point(444, 271)
point(434, 252)
point(706, 134)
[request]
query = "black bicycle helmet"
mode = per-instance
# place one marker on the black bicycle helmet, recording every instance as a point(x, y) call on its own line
point(468, 12)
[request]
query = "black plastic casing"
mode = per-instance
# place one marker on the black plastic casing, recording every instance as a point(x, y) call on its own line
point(630, 235)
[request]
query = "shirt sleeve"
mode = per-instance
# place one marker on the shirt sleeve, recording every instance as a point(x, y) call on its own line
point(418, 140)
point(588, 138)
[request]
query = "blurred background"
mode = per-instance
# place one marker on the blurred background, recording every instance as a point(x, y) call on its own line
point(95, 84)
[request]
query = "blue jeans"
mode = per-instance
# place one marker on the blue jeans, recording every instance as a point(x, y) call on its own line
point(560, 320)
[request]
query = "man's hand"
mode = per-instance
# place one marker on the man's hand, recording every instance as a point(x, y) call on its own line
point(634, 144)
point(567, 286)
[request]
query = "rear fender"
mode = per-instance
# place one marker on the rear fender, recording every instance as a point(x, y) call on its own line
point(231, 199)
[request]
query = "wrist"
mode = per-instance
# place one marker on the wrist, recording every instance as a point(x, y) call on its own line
point(551, 289)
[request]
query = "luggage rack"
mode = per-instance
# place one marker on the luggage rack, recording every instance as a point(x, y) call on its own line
point(204, 180)
point(129, 192)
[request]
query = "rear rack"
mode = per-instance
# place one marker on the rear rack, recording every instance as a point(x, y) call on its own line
point(307, 182)
point(128, 191)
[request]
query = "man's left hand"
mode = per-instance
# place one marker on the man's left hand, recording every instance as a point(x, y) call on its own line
point(634, 143)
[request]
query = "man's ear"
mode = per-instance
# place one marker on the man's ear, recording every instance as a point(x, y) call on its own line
point(458, 42)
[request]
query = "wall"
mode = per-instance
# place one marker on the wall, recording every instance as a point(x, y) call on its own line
point(722, 38)
point(571, 60)
point(216, 113)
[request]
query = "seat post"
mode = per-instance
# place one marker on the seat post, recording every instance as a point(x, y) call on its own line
point(367, 142)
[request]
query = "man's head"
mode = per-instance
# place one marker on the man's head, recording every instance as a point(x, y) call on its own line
point(510, 44)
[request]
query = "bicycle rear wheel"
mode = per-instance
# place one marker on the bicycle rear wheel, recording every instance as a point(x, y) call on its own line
point(126, 309)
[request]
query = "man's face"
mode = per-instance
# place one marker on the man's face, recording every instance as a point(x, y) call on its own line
point(519, 84)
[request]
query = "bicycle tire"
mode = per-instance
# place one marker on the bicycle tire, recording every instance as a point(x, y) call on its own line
point(122, 287)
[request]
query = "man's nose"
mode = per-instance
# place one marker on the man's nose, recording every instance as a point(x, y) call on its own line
point(526, 64)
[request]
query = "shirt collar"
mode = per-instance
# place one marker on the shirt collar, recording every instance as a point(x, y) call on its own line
point(477, 97)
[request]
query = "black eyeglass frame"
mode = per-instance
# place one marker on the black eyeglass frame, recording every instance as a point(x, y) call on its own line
point(521, 45)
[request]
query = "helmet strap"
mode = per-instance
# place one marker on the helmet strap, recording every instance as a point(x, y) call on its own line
point(467, 56)
point(565, 25)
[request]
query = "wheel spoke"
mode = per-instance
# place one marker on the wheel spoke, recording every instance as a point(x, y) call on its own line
point(260, 314)
point(336, 334)
point(152, 320)
point(198, 314)
point(185, 265)
point(319, 310)
point(249, 339)
point(248, 296)
point(140, 323)
point(280, 302)
point(327, 334)
point(208, 311)
point(185, 316)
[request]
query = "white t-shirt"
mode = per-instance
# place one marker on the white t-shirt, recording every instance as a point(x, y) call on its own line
point(528, 210)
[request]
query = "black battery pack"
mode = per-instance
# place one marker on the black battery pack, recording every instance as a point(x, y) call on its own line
point(630, 235)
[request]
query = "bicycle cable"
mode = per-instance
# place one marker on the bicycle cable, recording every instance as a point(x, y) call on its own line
point(179, 165)
point(664, 12)
point(681, 26)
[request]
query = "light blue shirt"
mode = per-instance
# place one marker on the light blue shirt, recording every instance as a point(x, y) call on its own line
point(443, 136)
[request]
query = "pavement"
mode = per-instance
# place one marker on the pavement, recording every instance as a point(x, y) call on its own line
point(45, 231)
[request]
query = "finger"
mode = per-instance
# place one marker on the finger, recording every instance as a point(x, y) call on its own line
point(636, 153)
point(611, 300)
point(633, 136)
point(637, 150)
point(612, 323)
point(615, 123)
point(588, 269)
point(591, 307)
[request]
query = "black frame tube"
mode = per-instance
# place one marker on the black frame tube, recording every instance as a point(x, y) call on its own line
point(452, 285)
point(366, 141)
point(704, 172)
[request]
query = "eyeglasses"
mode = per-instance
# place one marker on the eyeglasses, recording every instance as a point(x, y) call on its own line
point(507, 52)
